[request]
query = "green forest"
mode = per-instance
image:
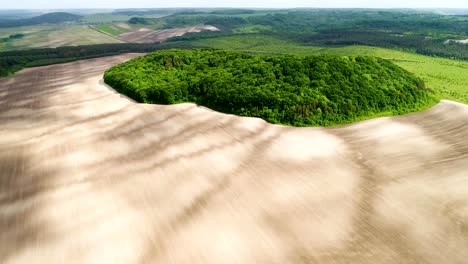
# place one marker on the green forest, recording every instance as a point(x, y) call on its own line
point(13, 61)
point(416, 31)
point(53, 18)
point(292, 90)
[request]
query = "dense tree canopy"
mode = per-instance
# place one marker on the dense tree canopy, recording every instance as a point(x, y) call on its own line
point(314, 90)
point(13, 61)
point(416, 31)
point(54, 18)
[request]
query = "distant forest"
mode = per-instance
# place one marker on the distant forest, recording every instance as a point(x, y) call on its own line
point(409, 30)
point(52, 18)
point(13, 61)
point(423, 33)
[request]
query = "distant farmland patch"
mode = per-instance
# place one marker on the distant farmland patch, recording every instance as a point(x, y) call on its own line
point(51, 36)
point(146, 35)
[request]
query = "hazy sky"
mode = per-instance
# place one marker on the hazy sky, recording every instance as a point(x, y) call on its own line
point(51, 4)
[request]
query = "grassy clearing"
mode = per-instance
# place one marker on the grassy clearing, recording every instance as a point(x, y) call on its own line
point(113, 30)
point(105, 18)
point(5, 32)
point(27, 31)
point(253, 29)
point(49, 36)
point(448, 78)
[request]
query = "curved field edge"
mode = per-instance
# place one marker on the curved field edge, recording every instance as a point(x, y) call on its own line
point(287, 90)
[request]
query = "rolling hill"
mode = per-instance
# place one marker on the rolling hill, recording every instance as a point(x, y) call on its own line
point(50, 18)
point(291, 90)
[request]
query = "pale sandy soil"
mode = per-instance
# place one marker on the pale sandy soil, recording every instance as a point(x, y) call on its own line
point(124, 25)
point(461, 41)
point(88, 176)
point(145, 35)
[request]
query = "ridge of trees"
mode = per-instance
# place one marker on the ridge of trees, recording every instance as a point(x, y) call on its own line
point(13, 61)
point(52, 18)
point(291, 90)
point(415, 31)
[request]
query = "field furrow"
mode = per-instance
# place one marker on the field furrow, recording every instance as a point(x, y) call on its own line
point(89, 176)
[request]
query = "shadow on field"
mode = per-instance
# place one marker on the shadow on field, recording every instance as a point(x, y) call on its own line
point(161, 235)
point(178, 168)
point(20, 203)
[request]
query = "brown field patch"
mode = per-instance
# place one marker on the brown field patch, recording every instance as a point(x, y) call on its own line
point(145, 35)
point(88, 176)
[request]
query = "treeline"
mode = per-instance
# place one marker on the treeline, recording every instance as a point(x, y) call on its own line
point(12, 61)
point(225, 23)
point(11, 37)
point(292, 90)
point(419, 44)
point(229, 11)
point(359, 37)
point(53, 18)
point(311, 21)
point(317, 20)
point(424, 33)
point(233, 11)
point(157, 11)
point(444, 49)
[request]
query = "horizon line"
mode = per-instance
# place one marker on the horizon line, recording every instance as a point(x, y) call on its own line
point(240, 7)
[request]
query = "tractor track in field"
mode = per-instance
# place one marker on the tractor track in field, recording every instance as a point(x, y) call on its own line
point(89, 176)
